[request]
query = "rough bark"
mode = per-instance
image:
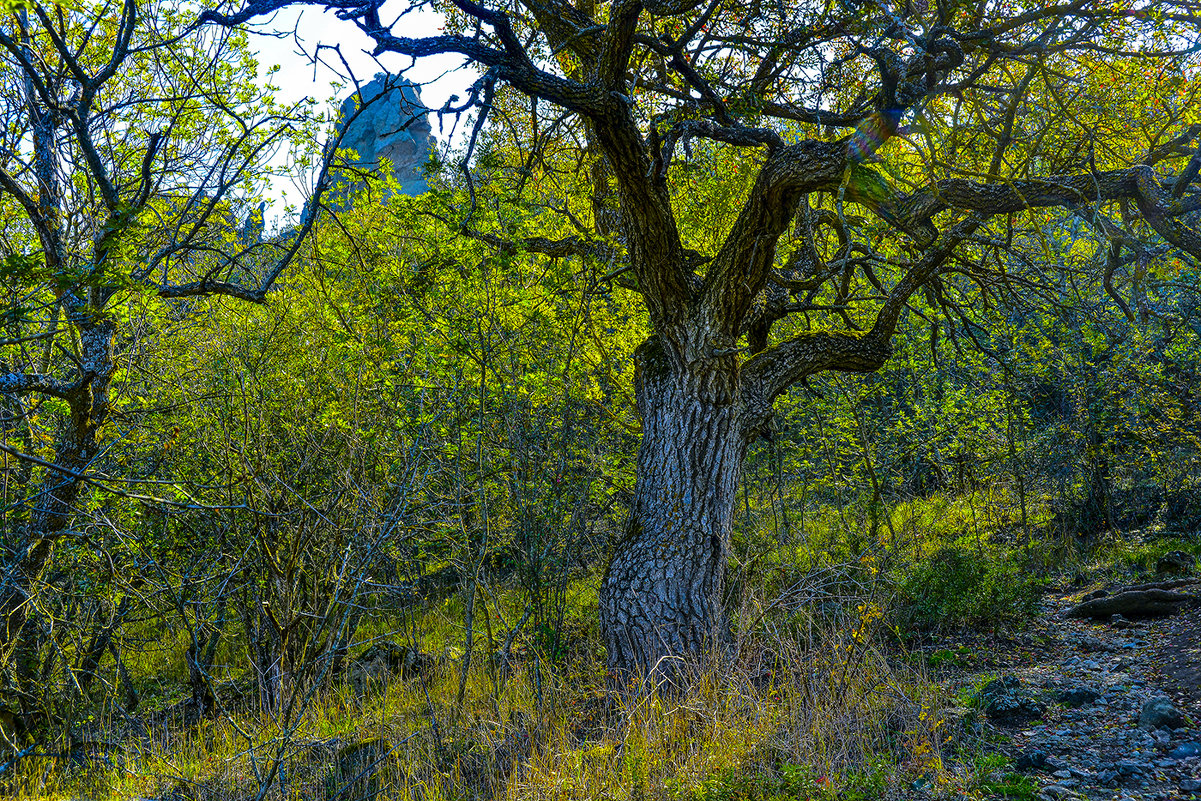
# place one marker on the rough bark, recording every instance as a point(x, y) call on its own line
point(662, 596)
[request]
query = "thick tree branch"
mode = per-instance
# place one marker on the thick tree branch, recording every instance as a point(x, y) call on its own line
point(740, 269)
point(770, 373)
point(617, 43)
point(23, 383)
point(1139, 183)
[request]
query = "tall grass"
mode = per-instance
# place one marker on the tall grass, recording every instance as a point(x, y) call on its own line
point(826, 706)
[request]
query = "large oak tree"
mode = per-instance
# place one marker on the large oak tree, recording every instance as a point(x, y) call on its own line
point(986, 115)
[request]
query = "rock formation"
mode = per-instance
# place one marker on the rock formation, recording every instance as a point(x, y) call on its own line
point(393, 125)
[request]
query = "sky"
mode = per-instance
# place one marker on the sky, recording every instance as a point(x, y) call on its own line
point(299, 77)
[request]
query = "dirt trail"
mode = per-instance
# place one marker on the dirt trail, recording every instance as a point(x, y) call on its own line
point(1076, 706)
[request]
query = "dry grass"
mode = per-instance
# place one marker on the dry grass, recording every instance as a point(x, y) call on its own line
point(825, 711)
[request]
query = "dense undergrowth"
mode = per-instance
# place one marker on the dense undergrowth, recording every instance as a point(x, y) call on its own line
point(825, 708)
point(823, 699)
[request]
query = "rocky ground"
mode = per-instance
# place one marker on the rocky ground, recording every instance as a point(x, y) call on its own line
point(1094, 710)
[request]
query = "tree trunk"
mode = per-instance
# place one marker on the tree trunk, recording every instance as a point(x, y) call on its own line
point(661, 600)
point(57, 496)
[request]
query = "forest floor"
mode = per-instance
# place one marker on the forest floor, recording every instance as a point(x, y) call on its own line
point(1072, 704)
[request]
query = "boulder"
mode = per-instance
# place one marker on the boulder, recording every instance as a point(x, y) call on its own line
point(408, 662)
point(1159, 713)
point(1133, 603)
point(1094, 645)
point(1031, 759)
point(1077, 696)
point(1186, 751)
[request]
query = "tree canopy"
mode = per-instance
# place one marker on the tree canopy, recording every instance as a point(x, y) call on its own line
point(958, 126)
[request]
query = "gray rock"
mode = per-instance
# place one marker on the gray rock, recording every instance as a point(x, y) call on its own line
point(1185, 751)
point(1077, 696)
point(1030, 760)
point(383, 660)
point(1094, 645)
point(1007, 703)
point(1013, 710)
point(1159, 713)
point(1190, 786)
point(393, 125)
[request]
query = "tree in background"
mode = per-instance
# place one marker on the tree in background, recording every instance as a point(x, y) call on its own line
point(132, 154)
point(983, 117)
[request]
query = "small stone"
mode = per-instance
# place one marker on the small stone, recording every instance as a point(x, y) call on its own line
point(1159, 712)
point(1190, 786)
point(1075, 697)
point(1185, 751)
point(1030, 760)
point(1094, 645)
point(1062, 774)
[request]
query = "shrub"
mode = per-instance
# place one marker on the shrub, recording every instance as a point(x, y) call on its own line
point(958, 586)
